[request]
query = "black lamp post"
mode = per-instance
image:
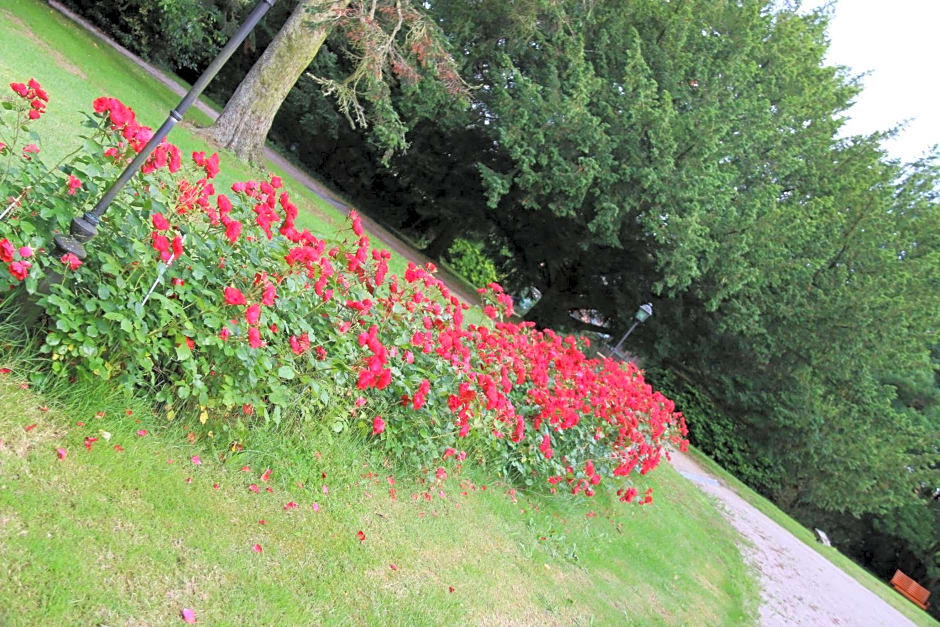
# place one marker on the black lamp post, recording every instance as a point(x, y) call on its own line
point(644, 312)
point(86, 227)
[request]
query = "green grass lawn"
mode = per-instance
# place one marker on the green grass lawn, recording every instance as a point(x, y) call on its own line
point(857, 572)
point(133, 536)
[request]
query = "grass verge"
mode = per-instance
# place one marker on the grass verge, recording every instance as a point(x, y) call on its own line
point(131, 529)
point(832, 554)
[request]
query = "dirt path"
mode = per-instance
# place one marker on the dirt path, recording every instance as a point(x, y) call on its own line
point(798, 585)
point(388, 239)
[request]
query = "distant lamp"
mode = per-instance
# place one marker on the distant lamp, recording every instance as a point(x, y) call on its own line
point(644, 312)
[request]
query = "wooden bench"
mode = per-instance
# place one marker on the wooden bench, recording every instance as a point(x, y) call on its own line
point(916, 593)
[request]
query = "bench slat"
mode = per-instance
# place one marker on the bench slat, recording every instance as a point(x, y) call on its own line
point(912, 590)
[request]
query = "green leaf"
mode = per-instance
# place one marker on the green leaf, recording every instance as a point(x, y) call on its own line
point(285, 372)
point(182, 350)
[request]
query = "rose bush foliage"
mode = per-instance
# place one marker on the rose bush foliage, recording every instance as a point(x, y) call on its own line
point(217, 304)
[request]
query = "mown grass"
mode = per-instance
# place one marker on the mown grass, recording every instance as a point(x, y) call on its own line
point(133, 536)
point(854, 570)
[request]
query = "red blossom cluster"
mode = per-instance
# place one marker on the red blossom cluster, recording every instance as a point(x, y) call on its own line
point(34, 94)
point(169, 251)
point(567, 418)
point(74, 184)
point(123, 120)
point(15, 258)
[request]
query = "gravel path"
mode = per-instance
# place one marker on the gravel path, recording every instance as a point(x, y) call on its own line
point(798, 585)
point(388, 238)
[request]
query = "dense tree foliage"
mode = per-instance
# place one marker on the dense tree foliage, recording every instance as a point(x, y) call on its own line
point(687, 153)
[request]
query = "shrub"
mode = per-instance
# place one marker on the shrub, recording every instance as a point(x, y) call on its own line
point(219, 305)
point(175, 33)
point(470, 261)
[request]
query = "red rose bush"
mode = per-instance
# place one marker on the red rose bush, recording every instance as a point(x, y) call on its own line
point(219, 303)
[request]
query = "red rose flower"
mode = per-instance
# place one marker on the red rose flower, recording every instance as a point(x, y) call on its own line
point(233, 296)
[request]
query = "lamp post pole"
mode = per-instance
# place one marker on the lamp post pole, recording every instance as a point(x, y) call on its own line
point(644, 312)
point(86, 227)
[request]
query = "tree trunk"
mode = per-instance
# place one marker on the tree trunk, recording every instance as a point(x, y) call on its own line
point(249, 113)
